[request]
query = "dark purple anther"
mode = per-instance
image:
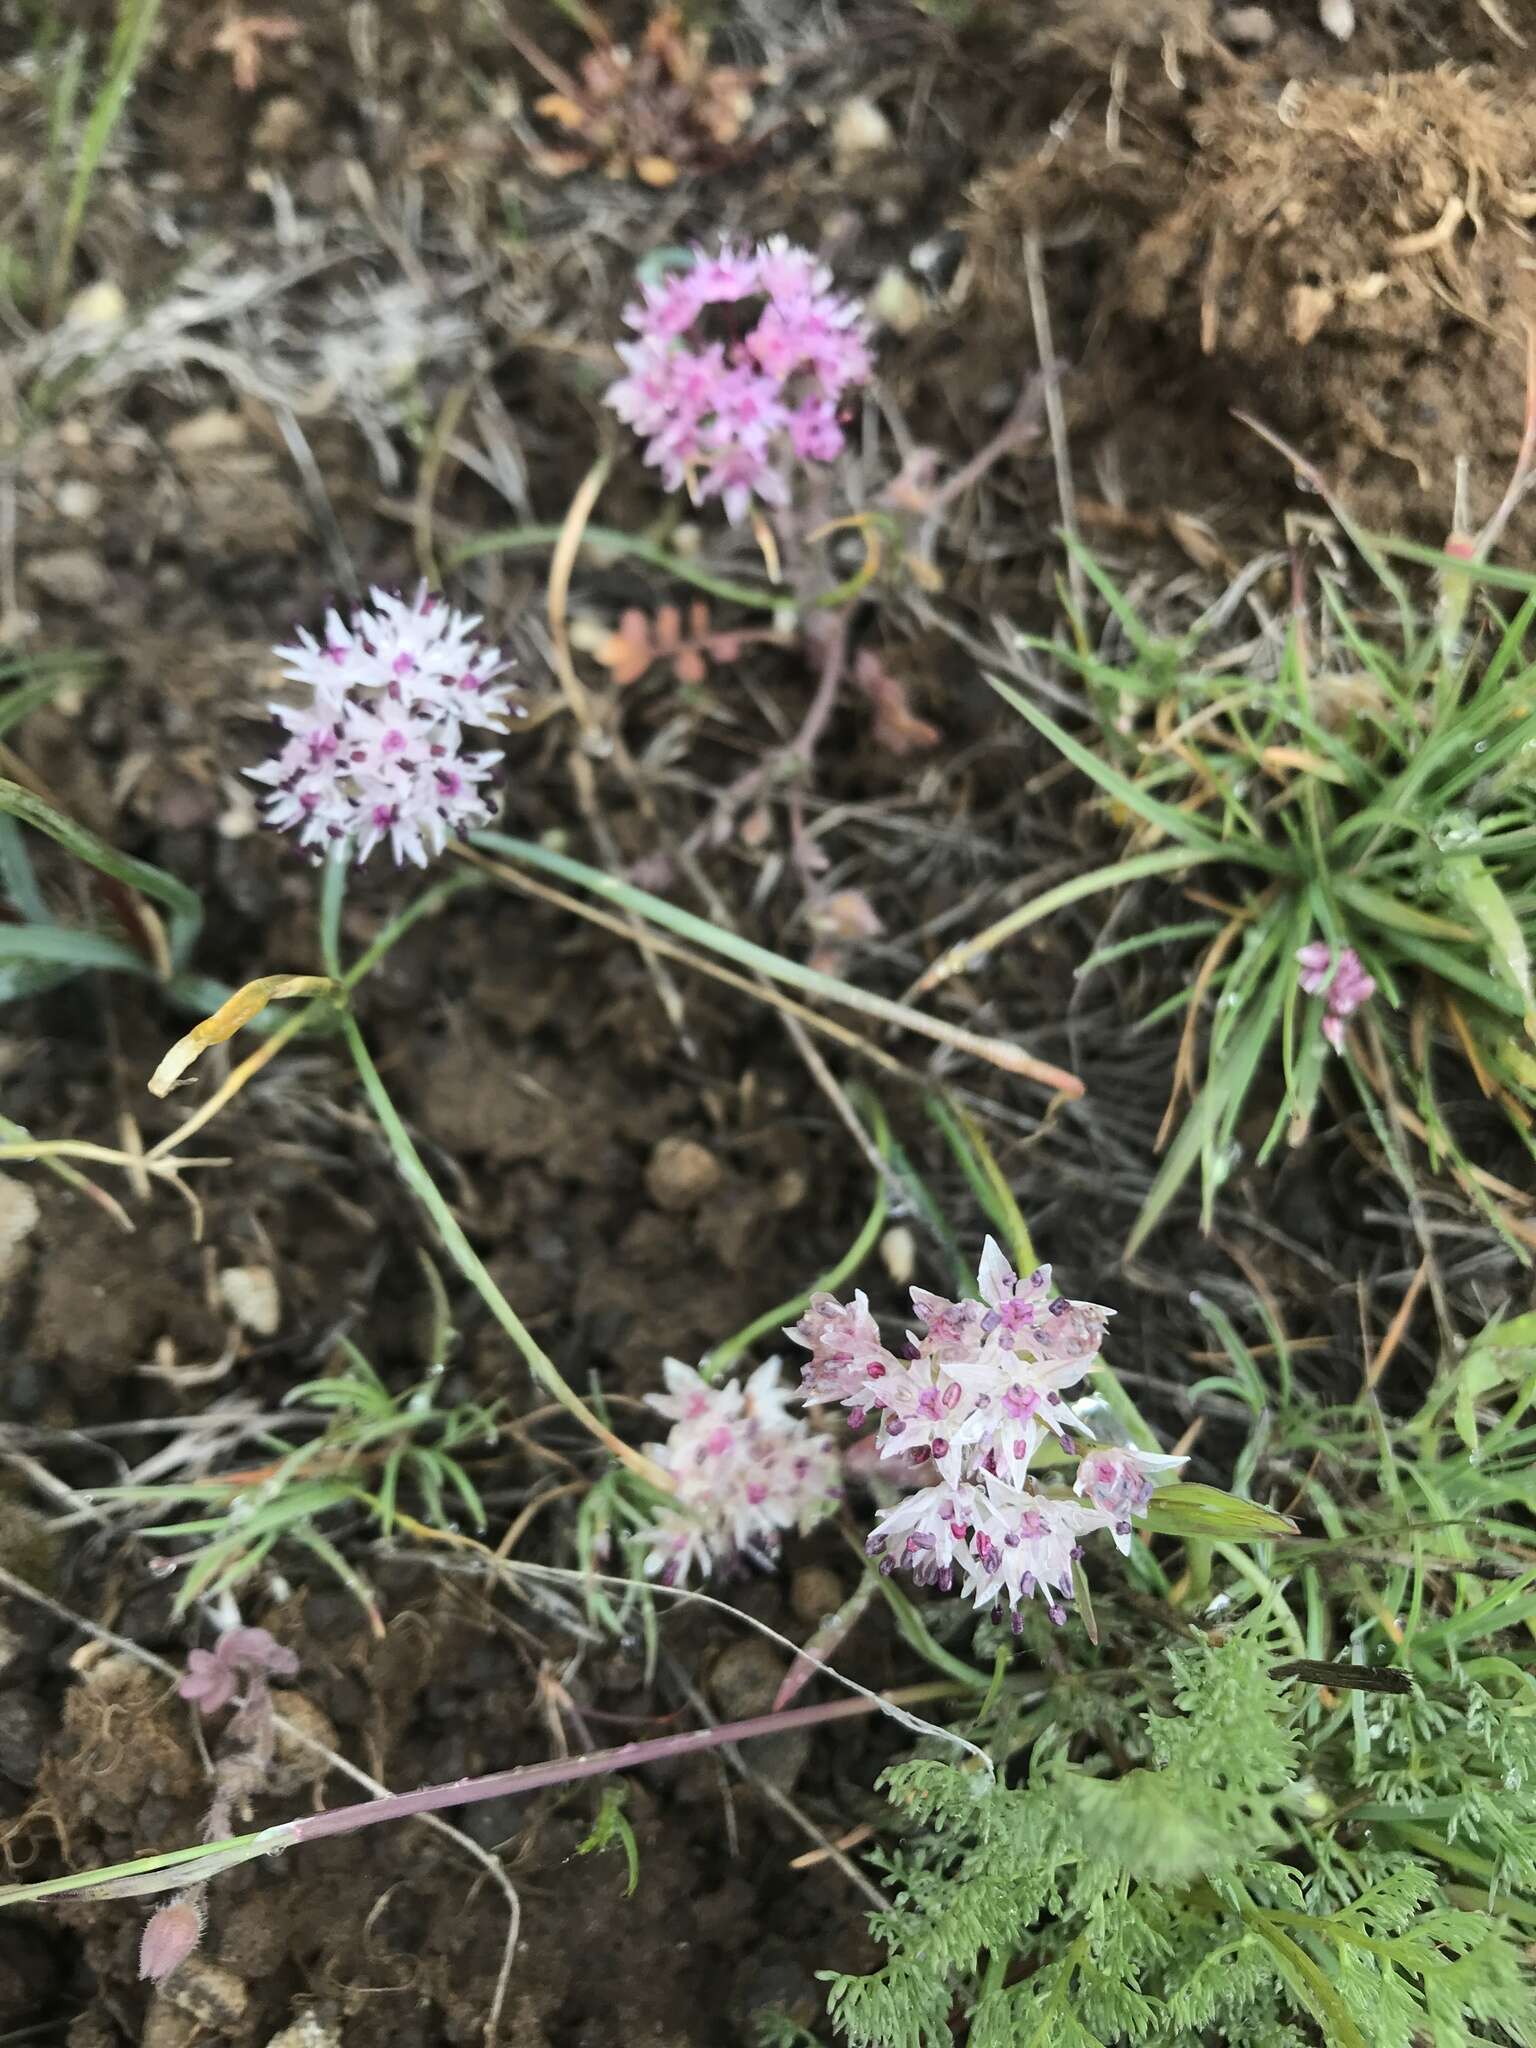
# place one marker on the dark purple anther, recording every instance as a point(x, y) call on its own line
point(894, 1426)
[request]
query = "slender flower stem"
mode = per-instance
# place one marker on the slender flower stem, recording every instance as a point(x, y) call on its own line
point(470, 1264)
point(173, 1868)
point(420, 1182)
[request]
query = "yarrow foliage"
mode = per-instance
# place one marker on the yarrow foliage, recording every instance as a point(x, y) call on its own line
point(376, 751)
point(732, 418)
point(743, 1469)
point(969, 1404)
point(1342, 983)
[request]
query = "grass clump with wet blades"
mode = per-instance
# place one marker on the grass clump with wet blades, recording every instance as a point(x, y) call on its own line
point(1363, 795)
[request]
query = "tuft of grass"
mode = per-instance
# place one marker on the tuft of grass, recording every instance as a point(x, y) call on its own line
point(131, 35)
point(1368, 785)
point(376, 1447)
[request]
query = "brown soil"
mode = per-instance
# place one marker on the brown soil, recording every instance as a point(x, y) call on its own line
point(1334, 237)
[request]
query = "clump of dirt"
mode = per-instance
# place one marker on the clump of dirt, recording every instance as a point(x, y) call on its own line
point(1346, 258)
point(404, 1939)
point(1364, 250)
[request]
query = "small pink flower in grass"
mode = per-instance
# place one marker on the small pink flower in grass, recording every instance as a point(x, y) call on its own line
point(1120, 1483)
point(743, 1470)
point(376, 751)
point(733, 412)
point(1341, 981)
point(213, 1677)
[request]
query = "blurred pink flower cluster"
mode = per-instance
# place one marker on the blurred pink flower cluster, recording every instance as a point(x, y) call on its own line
point(730, 413)
point(376, 752)
point(743, 1470)
point(969, 1404)
point(1342, 982)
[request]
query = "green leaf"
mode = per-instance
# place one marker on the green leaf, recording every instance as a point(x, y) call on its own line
point(1147, 1825)
point(184, 906)
point(1185, 1509)
point(1506, 941)
point(60, 946)
point(611, 1826)
point(603, 540)
point(1309, 1981)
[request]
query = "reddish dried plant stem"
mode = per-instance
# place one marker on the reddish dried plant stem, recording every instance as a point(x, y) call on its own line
point(628, 1756)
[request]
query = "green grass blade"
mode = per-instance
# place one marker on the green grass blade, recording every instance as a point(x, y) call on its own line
point(16, 875)
point(605, 540)
point(716, 938)
point(184, 908)
point(135, 25)
point(59, 946)
point(1165, 860)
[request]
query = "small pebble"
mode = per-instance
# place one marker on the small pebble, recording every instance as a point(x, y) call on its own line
point(77, 499)
point(71, 576)
point(295, 1766)
point(309, 2030)
point(680, 1173)
point(98, 305)
point(898, 1254)
point(744, 1678)
point(1252, 28)
point(859, 132)
point(282, 127)
point(209, 1992)
point(250, 1294)
point(1338, 18)
point(896, 302)
point(204, 433)
point(814, 1593)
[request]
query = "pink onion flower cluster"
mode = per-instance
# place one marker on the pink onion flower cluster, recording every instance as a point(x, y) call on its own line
point(737, 372)
point(966, 1409)
point(1341, 981)
point(743, 1471)
point(376, 750)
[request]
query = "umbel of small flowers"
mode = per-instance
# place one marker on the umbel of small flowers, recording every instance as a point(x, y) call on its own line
point(376, 749)
point(743, 1470)
point(734, 413)
point(1340, 980)
point(968, 1405)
